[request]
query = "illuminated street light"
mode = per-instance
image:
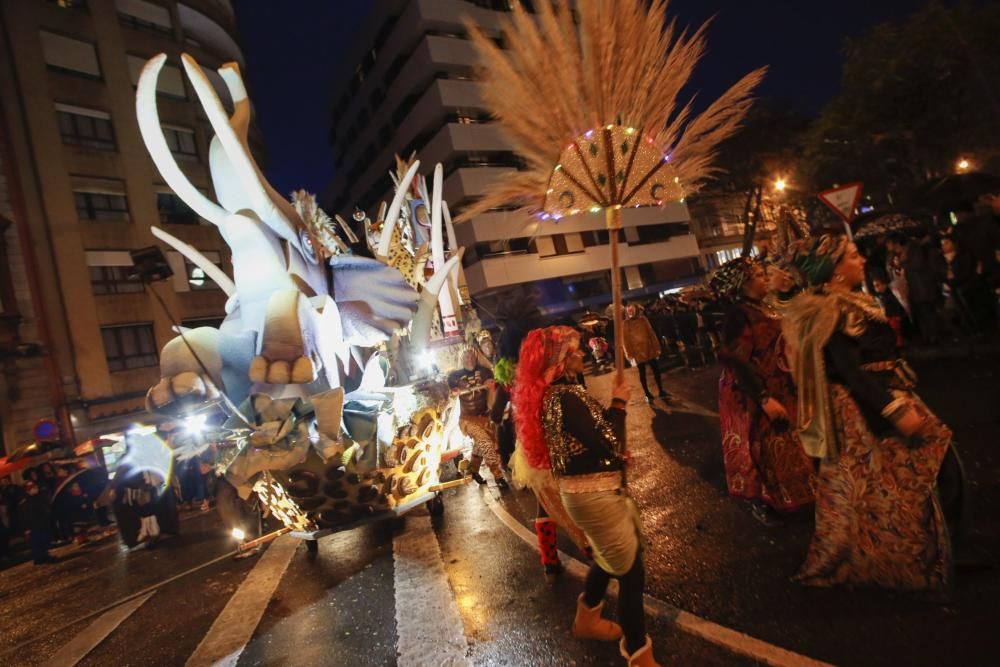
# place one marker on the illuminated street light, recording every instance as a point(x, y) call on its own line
point(780, 185)
point(963, 165)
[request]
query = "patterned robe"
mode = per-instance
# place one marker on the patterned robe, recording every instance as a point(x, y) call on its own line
point(763, 460)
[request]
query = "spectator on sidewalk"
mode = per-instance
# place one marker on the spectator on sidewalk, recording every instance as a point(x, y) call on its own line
point(923, 269)
point(975, 300)
point(36, 517)
point(894, 311)
point(78, 511)
point(642, 348)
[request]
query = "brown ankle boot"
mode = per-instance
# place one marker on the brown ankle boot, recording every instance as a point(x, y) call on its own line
point(641, 658)
point(588, 623)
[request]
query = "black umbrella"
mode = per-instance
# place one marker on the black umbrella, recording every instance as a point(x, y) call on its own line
point(957, 190)
point(875, 224)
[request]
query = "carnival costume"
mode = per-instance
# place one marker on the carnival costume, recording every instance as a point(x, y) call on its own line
point(563, 429)
point(763, 459)
point(878, 519)
point(474, 420)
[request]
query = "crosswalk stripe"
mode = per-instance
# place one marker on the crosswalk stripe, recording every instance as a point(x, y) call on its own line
point(95, 633)
point(428, 624)
point(235, 626)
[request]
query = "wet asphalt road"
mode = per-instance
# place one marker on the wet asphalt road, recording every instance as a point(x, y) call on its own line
point(708, 556)
point(705, 555)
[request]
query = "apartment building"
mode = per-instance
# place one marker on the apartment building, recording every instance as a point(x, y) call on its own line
point(408, 85)
point(81, 193)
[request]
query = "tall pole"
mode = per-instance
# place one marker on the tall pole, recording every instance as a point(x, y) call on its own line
point(613, 218)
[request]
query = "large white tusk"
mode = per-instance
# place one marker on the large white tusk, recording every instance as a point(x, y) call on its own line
point(198, 259)
point(420, 325)
point(240, 120)
point(152, 135)
point(449, 227)
point(437, 238)
point(266, 206)
point(393, 215)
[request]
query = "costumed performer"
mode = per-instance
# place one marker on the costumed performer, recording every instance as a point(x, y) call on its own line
point(561, 427)
point(878, 519)
point(473, 384)
point(763, 457)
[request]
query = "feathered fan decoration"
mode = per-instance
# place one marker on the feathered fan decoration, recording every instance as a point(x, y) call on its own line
point(589, 100)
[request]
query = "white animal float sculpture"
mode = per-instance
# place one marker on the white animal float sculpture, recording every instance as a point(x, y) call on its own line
point(300, 359)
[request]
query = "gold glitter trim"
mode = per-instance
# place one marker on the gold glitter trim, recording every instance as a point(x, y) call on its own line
point(563, 446)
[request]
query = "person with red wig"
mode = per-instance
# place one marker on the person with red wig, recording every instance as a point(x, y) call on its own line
point(561, 427)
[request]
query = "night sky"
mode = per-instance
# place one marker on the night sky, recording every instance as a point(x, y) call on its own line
point(292, 57)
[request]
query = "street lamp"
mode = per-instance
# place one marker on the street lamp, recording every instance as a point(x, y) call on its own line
point(780, 185)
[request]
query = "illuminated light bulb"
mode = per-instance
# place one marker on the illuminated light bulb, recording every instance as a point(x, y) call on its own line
point(558, 167)
point(239, 534)
point(609, 127)
point(963, 164)
point(677, 179)
point(780, 185)
point(595, 209)
point(630, 130)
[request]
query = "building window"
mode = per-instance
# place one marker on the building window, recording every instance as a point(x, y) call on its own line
point(85, 127)
point(143, 15)
point(129, 346)
point(180, 141)
point(65, 54)
point(189, 277)
point(110, 272)
point(100, 206)
point(69, 4)
point(114, 280)
point(170, 82)
point(173, 210)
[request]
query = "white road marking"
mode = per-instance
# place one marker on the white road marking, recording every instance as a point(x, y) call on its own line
point(95, 633)
point(428, 624)
point(733, 640)
point(234, 627)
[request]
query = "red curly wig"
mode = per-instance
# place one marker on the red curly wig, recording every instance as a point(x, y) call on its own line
point(541, 361)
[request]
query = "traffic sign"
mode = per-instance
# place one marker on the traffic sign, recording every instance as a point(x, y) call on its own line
point(46, 430)
point(843, 200)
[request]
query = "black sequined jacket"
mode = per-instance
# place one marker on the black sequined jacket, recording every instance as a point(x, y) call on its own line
point(582, 437)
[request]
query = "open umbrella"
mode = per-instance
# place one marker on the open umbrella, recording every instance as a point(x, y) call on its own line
point(33, 449)
point(589, 320)
point(588, 93)
point(879, 223)
point(91, 480)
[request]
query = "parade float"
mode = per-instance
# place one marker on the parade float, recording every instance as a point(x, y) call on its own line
point(321, 364)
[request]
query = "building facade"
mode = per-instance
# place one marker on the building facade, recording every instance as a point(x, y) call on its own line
point(81, 193)
point(408, 85)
